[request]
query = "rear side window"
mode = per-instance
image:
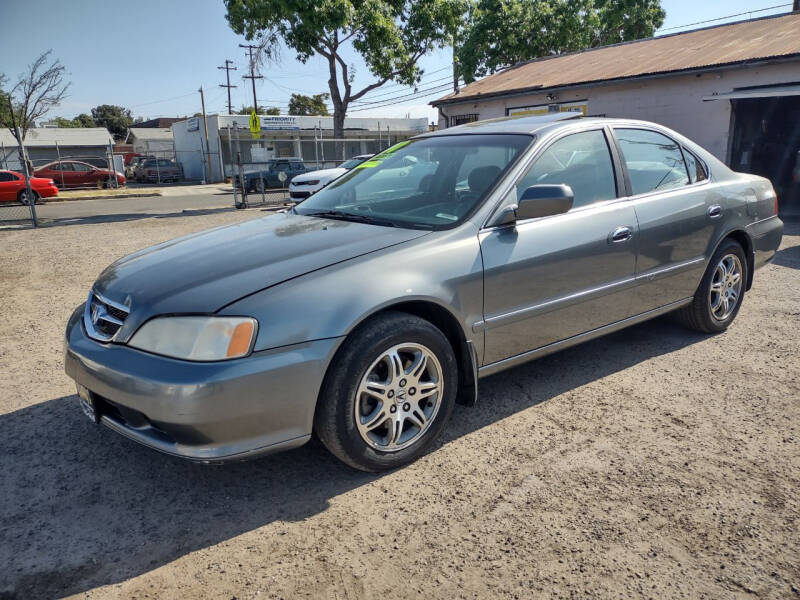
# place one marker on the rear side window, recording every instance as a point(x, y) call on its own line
point(654, 161)
point(697, 171)
point(580, 160)
point(7, 177)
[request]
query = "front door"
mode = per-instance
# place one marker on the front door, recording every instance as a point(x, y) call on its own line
point(672, 205)
point(551, 278)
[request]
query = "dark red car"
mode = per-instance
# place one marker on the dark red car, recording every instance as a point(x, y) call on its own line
point(75, 173)
point(12, 187)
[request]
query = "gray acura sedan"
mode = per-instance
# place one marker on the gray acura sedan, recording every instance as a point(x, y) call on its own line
point(365, 313)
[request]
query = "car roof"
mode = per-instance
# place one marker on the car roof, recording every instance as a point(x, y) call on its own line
point(541, 124)
point(511, 124)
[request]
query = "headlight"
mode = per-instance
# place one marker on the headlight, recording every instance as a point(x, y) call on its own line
point(197, 338)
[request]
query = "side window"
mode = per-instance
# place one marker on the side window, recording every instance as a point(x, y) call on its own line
point(480, 169)
point(697, 171)
point(654, 161)
point(6, 177)
point(582, 161)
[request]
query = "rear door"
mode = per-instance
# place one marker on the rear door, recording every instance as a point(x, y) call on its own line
point(9, 187)
point(672, 208)
point(551, 278)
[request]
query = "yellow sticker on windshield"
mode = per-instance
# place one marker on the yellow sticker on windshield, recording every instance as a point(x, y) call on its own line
point(379, 158)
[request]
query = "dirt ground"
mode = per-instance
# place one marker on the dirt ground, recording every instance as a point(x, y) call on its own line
point(654, 463)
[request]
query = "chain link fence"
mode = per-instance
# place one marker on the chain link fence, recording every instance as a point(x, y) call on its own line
point(261, 169)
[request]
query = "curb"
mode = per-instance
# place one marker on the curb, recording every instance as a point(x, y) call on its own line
point(102, 197)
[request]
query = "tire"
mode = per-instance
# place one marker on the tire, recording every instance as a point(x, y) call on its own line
point(701, 314)
point(394, 400)
point(23, 197)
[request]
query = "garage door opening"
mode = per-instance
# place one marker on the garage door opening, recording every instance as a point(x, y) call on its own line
point(766, 142)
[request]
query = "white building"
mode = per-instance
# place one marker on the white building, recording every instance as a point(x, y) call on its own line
point(734, 89)
point(309, 138)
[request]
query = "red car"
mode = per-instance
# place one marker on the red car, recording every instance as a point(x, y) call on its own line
point(12, 187)
point(74, 173)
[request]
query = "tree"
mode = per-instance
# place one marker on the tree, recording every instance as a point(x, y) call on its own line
point(114, 118)
point(389, 35)
point(37, 92)
point(309, 105)
point(262, 110)
point(82, 120)
point(501, 33)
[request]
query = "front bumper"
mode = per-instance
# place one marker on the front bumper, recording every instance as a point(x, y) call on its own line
point(207, 412)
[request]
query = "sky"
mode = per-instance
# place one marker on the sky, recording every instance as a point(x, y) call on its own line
point(152, 56)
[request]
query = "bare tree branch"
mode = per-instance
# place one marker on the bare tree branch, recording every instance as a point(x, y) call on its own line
point(38, 91)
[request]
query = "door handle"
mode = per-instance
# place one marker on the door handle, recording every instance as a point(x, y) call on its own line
point(620, 234)
point(714, 211)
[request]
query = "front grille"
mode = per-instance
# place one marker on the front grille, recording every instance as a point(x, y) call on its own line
point(310, 182)
point(103, 317)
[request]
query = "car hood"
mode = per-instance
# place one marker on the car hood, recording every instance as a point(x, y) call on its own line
point(321, 174)
point(203, 272)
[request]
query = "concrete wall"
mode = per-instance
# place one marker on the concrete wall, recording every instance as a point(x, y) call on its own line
point(161, 147)
point(675, 101)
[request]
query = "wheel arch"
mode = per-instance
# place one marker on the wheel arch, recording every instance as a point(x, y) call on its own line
point(743, 239)
point(443, 319)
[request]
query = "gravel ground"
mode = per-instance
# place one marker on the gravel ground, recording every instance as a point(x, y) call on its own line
point(654, 463)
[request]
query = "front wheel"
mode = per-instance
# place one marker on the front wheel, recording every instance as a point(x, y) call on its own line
point(388, 394)
point(719, 297)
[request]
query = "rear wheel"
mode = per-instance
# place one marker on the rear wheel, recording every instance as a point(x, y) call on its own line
point(388, 393)
point(25, 199)
point(719, 297)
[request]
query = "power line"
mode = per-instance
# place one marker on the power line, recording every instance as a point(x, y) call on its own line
point(421, 94)
point(228, 68)
point(161, 101)
point(448, 78)
point(401, 97)
point(749, 12)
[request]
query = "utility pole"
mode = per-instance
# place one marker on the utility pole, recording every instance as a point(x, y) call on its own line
point(205, 127)
point(252, 77)
point(228, 68)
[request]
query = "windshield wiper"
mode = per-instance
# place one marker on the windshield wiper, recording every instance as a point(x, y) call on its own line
point(346, 216)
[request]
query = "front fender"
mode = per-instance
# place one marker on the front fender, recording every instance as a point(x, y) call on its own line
point(444, 268)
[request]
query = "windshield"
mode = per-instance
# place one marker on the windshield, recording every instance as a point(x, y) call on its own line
point(431, 182)
point(353, 162)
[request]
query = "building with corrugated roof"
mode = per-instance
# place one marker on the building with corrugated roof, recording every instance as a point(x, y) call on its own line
point(44, 144)
point(734, 89)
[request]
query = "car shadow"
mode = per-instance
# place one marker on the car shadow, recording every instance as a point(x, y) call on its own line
point(82, 507)
point(119, 217)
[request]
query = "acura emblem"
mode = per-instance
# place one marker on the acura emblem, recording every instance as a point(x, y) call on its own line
point(98, 312)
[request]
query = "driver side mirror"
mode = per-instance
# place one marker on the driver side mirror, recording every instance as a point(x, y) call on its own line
point(542, 200)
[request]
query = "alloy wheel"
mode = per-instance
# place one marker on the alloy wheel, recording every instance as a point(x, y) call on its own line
point(726, 287)
point(398, 397)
